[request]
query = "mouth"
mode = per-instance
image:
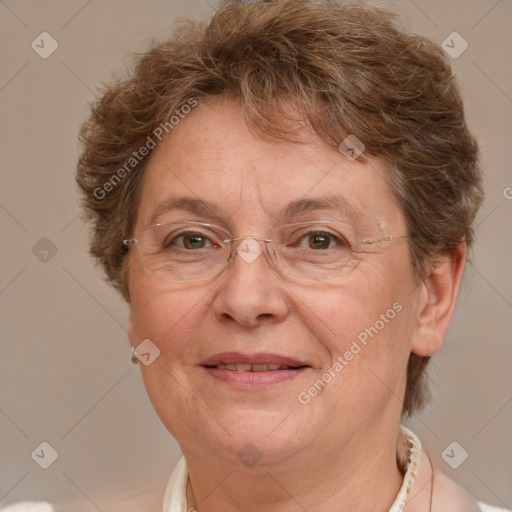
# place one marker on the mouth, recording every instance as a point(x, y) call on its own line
point(234, 367)
point(245, 371)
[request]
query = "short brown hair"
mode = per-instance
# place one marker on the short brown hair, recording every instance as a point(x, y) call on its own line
point(346, 69)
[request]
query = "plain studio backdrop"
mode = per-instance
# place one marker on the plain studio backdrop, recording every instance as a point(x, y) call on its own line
point(65, 371)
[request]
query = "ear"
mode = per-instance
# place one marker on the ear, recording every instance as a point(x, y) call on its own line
point(437, 302)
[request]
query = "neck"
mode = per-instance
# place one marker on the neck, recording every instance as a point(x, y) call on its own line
point(364, 476)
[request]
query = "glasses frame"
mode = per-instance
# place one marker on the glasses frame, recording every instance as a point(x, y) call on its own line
point(235, 242)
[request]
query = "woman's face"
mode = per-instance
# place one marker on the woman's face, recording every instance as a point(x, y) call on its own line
point(353, 335)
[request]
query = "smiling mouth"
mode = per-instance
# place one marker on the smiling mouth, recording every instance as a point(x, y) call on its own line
point(250, 372)
point(255, 367)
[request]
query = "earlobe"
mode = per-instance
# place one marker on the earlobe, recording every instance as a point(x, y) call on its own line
point(437, 302)
point(129, 329)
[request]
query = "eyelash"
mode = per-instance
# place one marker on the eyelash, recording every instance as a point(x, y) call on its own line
point(339, 240)
point(183, 234)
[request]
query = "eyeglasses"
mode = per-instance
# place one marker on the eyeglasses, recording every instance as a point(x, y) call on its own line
point(315, 251)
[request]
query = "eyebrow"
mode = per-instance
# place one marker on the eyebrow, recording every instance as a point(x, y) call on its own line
point(302, 206)
point(200, 207)
point(307, 205)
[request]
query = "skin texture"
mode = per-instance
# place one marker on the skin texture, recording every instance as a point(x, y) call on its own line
point(315, 454)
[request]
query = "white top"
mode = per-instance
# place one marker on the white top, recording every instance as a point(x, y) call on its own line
point(175, 499)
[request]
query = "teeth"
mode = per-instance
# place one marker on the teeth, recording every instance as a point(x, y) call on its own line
point(251, 367)
point(260, 367)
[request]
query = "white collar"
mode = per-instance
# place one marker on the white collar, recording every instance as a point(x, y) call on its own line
point(176, 492)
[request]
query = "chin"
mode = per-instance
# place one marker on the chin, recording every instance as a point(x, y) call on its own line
point(258, 433)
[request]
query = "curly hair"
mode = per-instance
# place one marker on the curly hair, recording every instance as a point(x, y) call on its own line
point(345, 69)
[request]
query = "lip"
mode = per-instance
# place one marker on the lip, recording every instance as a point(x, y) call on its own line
point(251, 380)
point(259, 358)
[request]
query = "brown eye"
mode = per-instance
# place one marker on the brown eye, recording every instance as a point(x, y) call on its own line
point(319, 241)
point(194, 241)
point(187, 240)
point(322, 240)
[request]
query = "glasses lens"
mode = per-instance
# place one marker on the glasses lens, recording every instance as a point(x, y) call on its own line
point(182, 251)
point(314, 252)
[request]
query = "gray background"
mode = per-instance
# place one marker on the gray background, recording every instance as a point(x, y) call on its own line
point(65, 371)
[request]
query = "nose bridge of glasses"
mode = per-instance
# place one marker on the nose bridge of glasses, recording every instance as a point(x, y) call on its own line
point(249, 248)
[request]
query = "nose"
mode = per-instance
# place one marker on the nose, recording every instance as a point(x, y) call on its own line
point(250, 292)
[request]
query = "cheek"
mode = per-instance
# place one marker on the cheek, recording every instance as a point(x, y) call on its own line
point(166, 315)
point(366, 346)
point(338, 314)
point(365, 325)
point(169, 318)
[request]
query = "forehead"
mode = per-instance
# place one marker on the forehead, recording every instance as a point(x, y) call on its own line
point(212, 158)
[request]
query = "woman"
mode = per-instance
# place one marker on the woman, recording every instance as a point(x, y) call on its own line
point(285, 198)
